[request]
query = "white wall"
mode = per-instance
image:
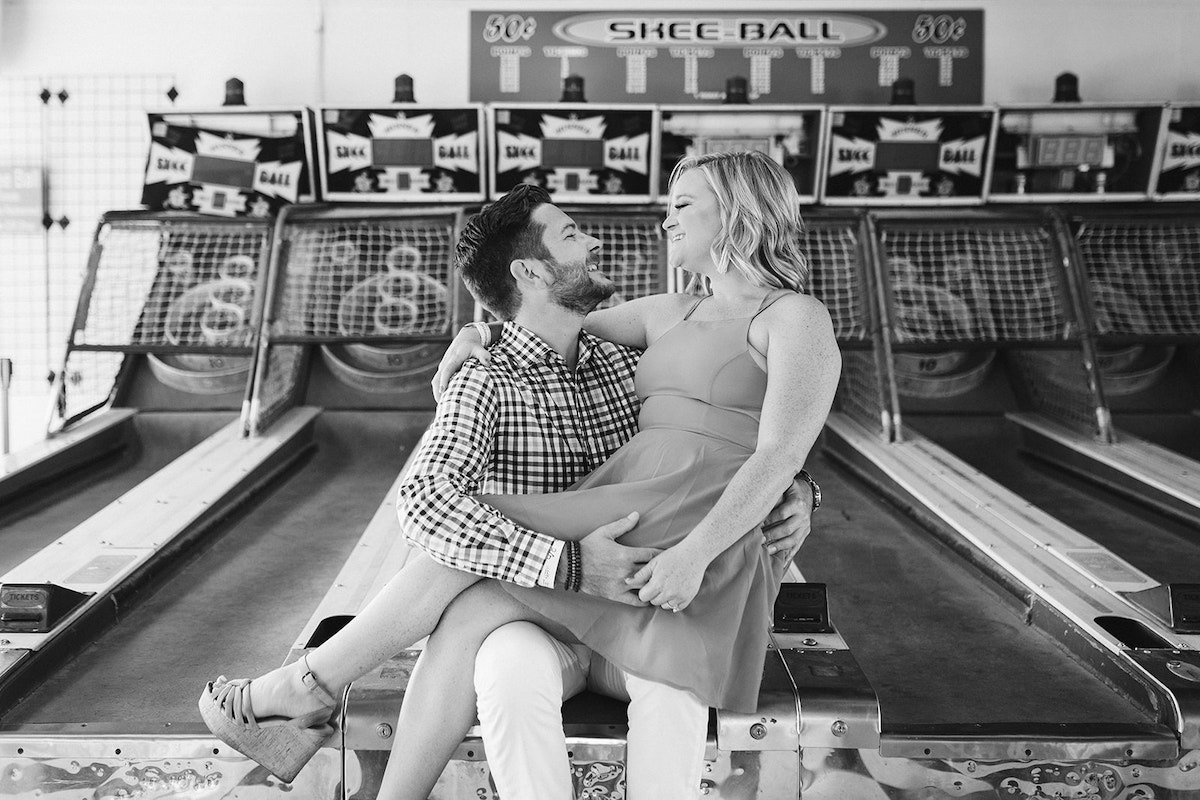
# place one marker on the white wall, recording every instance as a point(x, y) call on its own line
point(348, 51)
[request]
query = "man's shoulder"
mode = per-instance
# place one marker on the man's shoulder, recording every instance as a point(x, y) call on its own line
point(610, 350)
point(617, 360)
point(496, 378)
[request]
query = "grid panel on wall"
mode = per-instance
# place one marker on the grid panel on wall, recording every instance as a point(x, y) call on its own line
point(96, 144)
point(24, 334)
point(85, 138)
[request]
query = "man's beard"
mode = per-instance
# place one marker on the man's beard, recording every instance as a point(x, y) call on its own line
point(575, 290)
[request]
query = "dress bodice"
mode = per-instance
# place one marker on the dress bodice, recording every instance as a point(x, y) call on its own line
point(700, 376)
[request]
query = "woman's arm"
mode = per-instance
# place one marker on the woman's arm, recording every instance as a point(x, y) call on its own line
point(638, 322)
point(635, 323)
point(803, 364)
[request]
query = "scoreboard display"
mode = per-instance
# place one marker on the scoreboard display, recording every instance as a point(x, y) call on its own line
point(907, 155)
point(1178, 175)
point(791, 135)
point(1076, 151)
point(578, 152)
point(402, 153)
point(228, 162)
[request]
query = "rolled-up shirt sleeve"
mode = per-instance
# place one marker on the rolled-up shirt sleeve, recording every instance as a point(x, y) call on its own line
point(436, 505)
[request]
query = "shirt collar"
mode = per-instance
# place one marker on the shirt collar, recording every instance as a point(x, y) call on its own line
point(527, 349)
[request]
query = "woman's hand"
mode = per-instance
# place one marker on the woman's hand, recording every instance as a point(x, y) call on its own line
point(465, 345)
point(671, 579)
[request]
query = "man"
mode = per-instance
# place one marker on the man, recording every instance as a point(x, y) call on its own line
point(552, 404)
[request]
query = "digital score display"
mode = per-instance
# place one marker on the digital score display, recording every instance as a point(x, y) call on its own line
point(1091, 152)
point(1069, 151)
point(402, 153)
point(223, 172)
point(908, 156)
point(573, 153)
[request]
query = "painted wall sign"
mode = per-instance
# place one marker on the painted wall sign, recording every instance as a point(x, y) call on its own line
point(1179, 175)
point(808, 56)
point(1075, 151)
point(401, 153)
point(908, 155)
point(578, 152)
point(217, 163)
point(21, 208)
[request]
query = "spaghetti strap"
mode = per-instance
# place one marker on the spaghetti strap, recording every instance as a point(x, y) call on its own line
point(767, 302)
point(695, 305)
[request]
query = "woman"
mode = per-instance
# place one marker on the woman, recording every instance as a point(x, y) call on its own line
point(736, 388)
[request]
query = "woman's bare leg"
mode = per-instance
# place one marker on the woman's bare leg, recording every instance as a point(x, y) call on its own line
point(439, 704)
point(405, 610)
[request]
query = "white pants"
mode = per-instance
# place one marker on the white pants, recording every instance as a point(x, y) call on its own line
point(522, 676)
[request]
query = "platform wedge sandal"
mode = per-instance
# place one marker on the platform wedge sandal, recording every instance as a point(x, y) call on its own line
point(280, 744)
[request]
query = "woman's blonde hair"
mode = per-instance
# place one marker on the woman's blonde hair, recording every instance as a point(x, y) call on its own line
point(761, 228)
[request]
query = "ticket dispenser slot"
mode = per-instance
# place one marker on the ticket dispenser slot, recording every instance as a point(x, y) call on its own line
point(802, 608)
point(1175, 604)
point(36, 607)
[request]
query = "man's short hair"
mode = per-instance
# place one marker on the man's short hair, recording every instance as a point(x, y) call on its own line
point(501, 233)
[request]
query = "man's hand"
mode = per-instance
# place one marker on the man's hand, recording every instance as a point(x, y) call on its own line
point(606, 563)
point(790, 522)
point(465, 345)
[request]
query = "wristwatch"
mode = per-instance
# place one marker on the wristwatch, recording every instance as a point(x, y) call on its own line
point(816, 488)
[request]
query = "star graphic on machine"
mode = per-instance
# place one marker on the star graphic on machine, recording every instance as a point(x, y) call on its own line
point(260, 208)
point(362, 183)
point(862, 187)
point(531, 178)
point(444, 183)
point(614, 185)
point(177, 198)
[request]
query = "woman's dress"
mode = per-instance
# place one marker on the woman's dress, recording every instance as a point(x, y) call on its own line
point(702, 397)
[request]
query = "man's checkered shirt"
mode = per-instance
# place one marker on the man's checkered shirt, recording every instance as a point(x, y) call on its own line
point(523, 424)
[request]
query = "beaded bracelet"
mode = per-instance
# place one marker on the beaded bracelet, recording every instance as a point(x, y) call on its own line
point(484, 332)
point(574, 567)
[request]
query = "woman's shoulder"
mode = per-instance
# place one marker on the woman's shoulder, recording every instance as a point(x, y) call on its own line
point(789, 306)
point(671, 301)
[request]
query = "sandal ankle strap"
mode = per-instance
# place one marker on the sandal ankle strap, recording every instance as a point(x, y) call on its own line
point(309, 679)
